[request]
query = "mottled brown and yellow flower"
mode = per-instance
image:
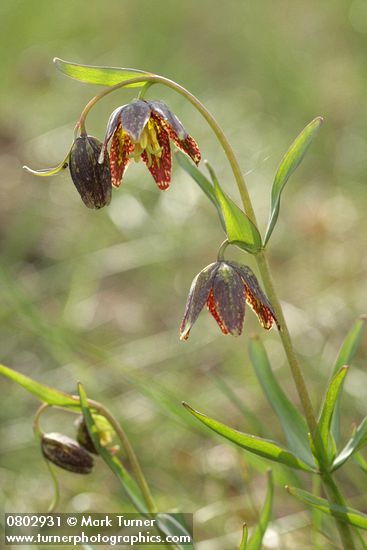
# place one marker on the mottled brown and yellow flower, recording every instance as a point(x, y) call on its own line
point(143, 130)
point(226, 287)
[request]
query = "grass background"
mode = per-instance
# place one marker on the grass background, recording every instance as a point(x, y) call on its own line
point(98, 296)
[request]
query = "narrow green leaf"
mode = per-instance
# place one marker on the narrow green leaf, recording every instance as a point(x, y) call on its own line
point(205, 185)
point(243, 545)
point(361, 461)
point(255, 542)
point(345, 357)
point(344, 513)
point(42, 392)
point(293, 423)
point(288, 165)
point(328, 407)
point(105, 76)
point(262, 447)
point(239, 228)
point(169, 525)
point(130, 486)
point(351, 343)
point(355, 444)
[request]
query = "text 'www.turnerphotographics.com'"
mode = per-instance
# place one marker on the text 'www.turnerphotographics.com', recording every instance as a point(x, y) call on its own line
point(98, 529)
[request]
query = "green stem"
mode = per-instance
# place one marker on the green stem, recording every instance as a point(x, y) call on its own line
point(130, 453)
point(222, 248)
point(334, 495)
point(287, 342)
point(39, 433)
point(36, 419)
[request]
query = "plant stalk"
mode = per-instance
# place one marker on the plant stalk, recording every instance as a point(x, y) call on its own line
point(334, 495)
point(330, 486)
point(130, 453)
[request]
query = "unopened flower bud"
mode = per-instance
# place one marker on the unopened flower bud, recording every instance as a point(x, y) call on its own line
point(83, 437)
point(91, 178)
point(66, 453)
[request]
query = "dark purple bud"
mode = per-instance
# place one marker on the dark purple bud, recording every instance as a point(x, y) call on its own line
point(91, 178)
point(66, 453)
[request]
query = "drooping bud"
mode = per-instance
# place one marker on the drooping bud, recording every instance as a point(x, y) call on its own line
point(83, 437)
point(104, 430)
point(66, 453)
point(91, 178)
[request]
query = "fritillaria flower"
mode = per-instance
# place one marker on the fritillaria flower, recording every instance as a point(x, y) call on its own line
point(143, 130)
point(226, 287)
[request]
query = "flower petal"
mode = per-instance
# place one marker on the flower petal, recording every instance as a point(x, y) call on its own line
point(134, 117)
point(188, 145)
point(159, 166)
point(255, 297)
point(121, 149)
point(198, 295)
point(228, 301)
point(112, 124)
point(213, 310)
point(163, 111)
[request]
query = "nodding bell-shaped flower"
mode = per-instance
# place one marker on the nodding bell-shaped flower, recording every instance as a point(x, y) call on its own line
point(226, 287)
point(142, 130)
point(66, 453)
point(91, 178)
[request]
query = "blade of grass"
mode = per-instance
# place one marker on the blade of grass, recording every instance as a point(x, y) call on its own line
point(255, 541)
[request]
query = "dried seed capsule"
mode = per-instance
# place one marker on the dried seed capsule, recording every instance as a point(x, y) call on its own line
point(83, 437)
point(66, 453)
point(92, 179)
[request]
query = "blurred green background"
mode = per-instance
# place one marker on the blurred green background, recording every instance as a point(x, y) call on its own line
point(98, 296)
